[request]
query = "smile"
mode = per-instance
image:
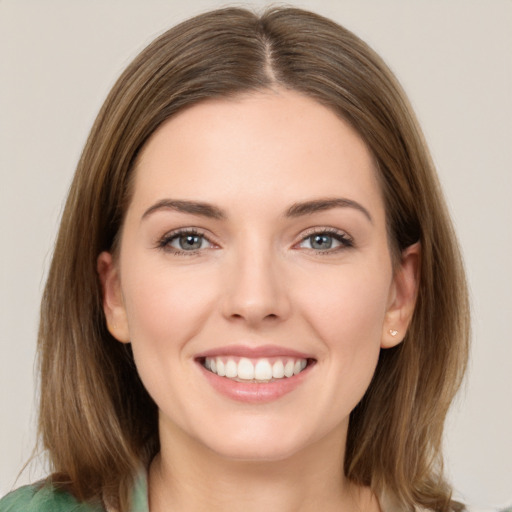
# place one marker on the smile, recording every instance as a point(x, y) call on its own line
point(260, 370)
point(255, 374)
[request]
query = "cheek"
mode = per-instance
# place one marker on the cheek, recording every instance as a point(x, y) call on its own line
point(348, 316)
point(351, 306)
point(166, 307)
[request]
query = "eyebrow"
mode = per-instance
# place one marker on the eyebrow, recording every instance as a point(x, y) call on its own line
point(295, 210)
point(318, 205)
point(193, 207)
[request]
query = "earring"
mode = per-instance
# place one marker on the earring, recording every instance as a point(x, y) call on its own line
point(393, 332)
point(111, 327)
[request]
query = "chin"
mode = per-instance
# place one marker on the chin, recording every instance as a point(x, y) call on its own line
point(259, 442)
point(257, 451)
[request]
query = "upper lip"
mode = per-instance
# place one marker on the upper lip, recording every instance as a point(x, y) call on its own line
point(254, 352)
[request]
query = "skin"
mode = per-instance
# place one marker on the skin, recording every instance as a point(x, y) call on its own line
point(256, 280)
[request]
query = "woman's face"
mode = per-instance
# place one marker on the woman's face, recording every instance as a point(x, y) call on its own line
point(254, 277)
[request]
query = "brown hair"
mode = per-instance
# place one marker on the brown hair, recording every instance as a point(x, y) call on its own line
point(97, 422)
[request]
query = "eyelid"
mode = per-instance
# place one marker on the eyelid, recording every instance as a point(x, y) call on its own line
point(345, 240)
point(163, 242)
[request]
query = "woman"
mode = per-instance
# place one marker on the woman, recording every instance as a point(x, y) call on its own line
point(256, 300)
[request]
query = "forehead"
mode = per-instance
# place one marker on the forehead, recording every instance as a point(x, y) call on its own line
point(268, 147)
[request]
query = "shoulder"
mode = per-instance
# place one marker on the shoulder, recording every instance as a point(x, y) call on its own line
point(43, 498)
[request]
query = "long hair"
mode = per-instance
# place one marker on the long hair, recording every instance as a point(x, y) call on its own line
point(97, 422)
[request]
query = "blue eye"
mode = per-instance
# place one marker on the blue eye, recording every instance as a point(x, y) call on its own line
point(184, 241)
point(188, 242)
point(325, 241)
point(321, 242)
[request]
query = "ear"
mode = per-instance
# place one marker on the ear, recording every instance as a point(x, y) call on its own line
point(402, 297)
point(113, 303)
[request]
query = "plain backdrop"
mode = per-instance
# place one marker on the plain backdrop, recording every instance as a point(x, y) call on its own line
point(58, 59)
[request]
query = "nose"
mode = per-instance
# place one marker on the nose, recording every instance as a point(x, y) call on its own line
point(256, 291)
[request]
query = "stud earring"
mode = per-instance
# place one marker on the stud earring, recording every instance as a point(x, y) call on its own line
point(393, 332)
point(111, 327)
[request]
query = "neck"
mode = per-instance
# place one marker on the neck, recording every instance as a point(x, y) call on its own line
point(191, 478)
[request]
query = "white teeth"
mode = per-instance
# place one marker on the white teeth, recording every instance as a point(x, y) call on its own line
point(288, 368)
point(260, 369)
point(231, 369)
point(263, 370)
point(245, 369)
point(278, 370)
point(221, 372)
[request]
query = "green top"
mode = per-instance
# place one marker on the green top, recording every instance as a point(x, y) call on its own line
point(45, 498)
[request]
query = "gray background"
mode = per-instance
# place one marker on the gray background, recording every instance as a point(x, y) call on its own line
point(58, 60)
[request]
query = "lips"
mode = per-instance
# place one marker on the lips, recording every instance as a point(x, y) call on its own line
point(255, 374)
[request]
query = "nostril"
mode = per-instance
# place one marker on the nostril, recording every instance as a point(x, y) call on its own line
point(271, 316)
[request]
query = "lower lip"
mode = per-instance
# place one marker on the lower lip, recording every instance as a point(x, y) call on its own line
point(252, 392)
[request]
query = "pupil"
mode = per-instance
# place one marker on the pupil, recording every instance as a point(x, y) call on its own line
point(321, 242)
point(190, 242)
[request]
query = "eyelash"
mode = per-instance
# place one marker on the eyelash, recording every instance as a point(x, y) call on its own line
point(165, 241)
point(345, 241)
